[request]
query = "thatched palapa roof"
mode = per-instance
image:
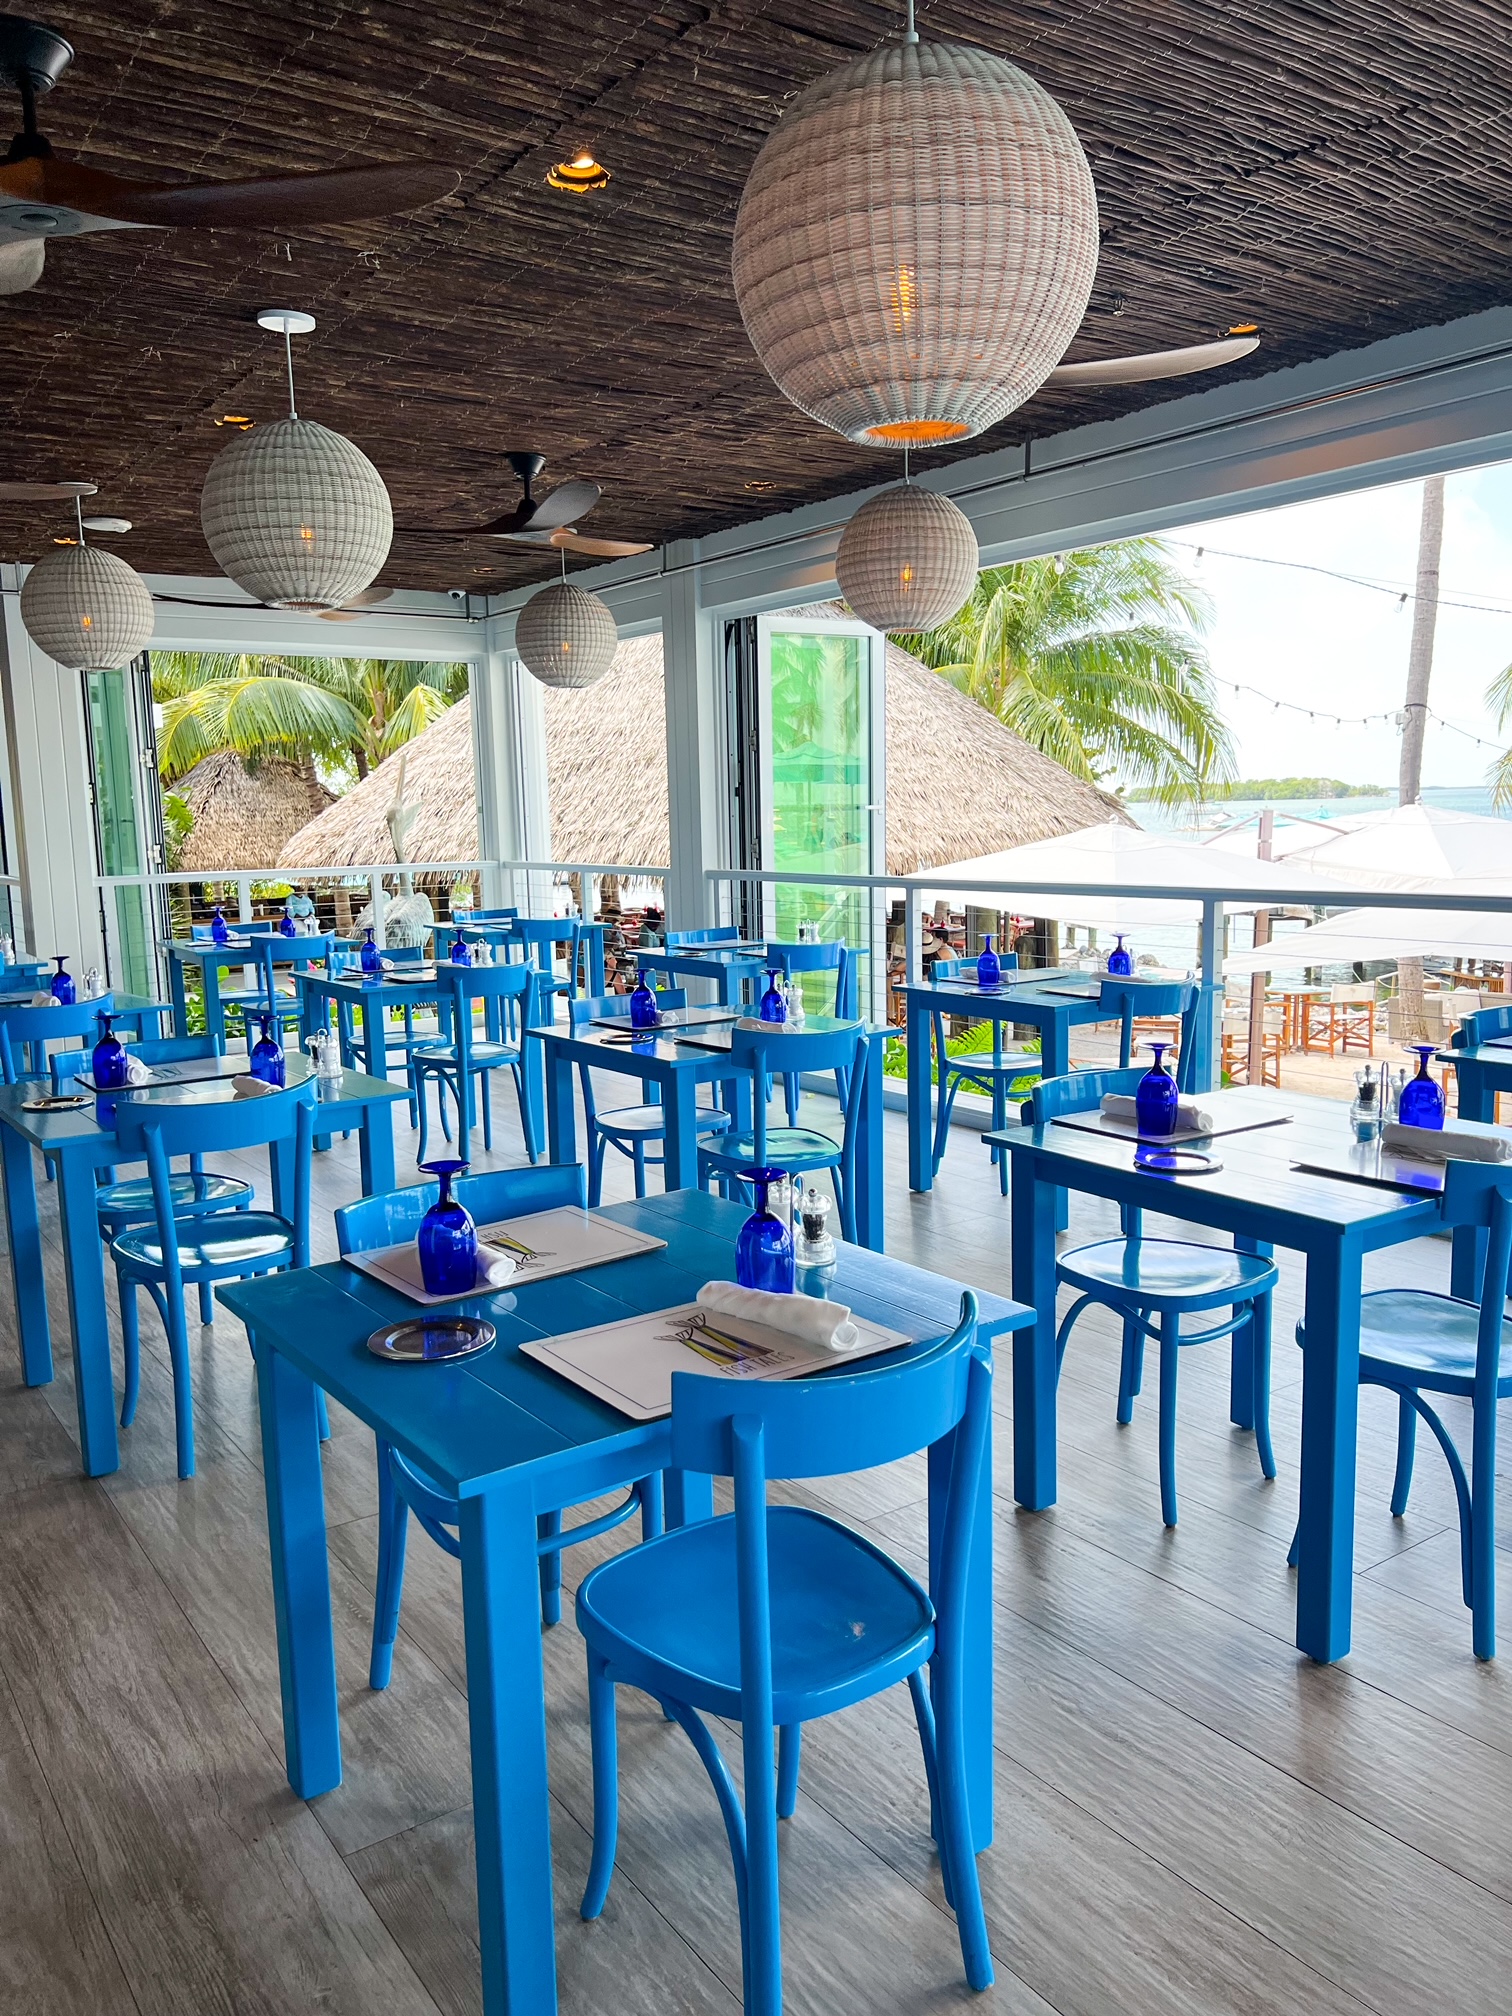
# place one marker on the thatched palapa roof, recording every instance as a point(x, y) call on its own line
point(241, 817)
point(958, 782)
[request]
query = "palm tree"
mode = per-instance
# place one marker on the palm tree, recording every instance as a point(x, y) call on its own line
point(344, 713)
point(1096, 658)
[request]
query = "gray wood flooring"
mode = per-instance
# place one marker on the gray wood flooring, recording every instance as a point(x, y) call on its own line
point(1191, 1820)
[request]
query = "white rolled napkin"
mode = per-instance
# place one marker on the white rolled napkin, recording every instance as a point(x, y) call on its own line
point(42, 1000)
point(1190, 1117)
point(772, 1028)
point(137, 1073)
point(826, 1325)
point(1446, 1144)
point(495, 1267)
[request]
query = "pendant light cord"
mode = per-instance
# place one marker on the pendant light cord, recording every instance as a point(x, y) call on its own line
point(289, 358)
point(910, 33)
point(906, 477)
point(79, 514)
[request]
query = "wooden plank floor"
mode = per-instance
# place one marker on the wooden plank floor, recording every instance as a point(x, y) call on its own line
point(1191, 1819)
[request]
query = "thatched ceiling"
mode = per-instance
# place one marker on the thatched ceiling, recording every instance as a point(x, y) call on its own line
point(1334, 174)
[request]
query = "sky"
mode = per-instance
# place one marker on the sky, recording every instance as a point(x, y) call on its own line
point(1336, 648)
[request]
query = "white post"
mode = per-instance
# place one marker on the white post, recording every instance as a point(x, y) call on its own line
point(380, 906)
point(913, 936)
point(696, 756)
point(1208, 1067)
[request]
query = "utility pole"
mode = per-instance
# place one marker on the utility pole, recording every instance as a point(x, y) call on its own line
point(1415, 712)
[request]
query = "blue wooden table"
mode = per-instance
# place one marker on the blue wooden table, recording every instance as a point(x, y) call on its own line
point(212, 960)
point(1264, 1201)
point(730, 971)
point(77, 1145)
point(512, 1440)
point(678, 1069)
point(590, 938)
point(1054, 1005)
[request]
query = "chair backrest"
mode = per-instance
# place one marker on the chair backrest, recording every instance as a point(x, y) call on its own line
point(1076, 1092)
point(23, 1028)
point(1478, 1027)
point(496, 1193)
point(1127, 998)
point(1480, 1193)
point(715, 934)
point(834, 955)
point(513, 989)
point(822, 1427)
point(1352, 993)
point(67, 1064)
point(802, 1050)
point(586, 1010)
point(486, 916)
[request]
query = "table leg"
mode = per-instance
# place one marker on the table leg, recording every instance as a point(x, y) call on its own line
point(84, 1270)
point(561, 1111)
point(533, 1069)
point(689, 1496)
point(25, 1239)
point(1330, 1415)
point(295, 1493)
point(596, 965)
point(506, 1694)
point(920, 1142)
point(679, 1097)
point(375, 1145)
point(871, 1207)
point(374, 1039)
point(1055, 1062)
point(176, 995)
point(1241, 1349)
point(1032, 1209)
point(977, 1596)
point(1477, 1101)
point(215, 1014)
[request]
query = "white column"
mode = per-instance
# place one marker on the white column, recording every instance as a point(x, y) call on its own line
point(509, 739)
point(50, 825)
point(697, 761)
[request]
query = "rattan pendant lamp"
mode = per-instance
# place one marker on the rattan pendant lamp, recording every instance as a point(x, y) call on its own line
point(85, 607)
point(908, 559)
point(295, 513)
point(565, 636)
point(916, 244)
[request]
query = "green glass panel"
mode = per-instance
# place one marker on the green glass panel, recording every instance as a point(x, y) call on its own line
point(116, 823)
point(821, 791)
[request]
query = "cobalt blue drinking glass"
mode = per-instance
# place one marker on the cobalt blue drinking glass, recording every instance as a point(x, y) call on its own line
point(107, 1061)
point(218, 929)
point(63, 990)
point(1120, 962)
point(370, 956)
point(764, 1247)
point(773, 1007)
point(461, 951)
point(643, 1008)
point(448, 1238)
point(989, 966)
point(267, 1059)
point(1156, 1097)
point(1422, 1101)
point(286, 926)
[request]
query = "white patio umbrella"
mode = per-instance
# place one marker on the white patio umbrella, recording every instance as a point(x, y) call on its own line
point(1415, 847)
point(1116, 856)
point(1384, 934)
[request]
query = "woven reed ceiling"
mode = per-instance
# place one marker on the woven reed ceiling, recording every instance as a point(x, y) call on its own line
point(1335, 175)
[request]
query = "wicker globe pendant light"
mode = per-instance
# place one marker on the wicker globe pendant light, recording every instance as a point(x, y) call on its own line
point(566, 636)
point(916, 244)
point(907, 560)
point(295, 513)
point(85, 607)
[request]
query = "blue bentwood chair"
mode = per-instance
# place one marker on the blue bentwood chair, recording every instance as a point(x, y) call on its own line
point(776, 1615)
point(403, 1487)
point(26, 1032)
point(270, 950)
point(168, 1253)
point(1414, 1343)
point(461, 1055)
point(1150, 1284)
point(993, 1073)
point(798, 1150)
point(628, 1128)
point(833, 956)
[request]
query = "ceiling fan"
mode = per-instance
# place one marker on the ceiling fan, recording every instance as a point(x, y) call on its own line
point(43, 196)
point(550, 521)
point(1151, 365)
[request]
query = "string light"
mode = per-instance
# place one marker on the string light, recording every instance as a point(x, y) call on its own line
point(1481, 607)
point(1392, 714)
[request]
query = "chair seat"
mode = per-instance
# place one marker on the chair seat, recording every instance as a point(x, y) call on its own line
point(1409, 1337)
point(983, 1071)
point(843, 1615)
point(786, 1147)
point(652, 1120)
point(1167, 1273)
point(190, 1194)
point(235, 1239)
point(485, 1056)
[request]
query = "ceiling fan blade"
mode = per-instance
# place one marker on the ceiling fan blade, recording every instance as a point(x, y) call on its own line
point(356, 605)
point(43, 493)
point(1154, 364)
point(334, 196)
point(604, 549)
point(566, 504)
point(507, 527)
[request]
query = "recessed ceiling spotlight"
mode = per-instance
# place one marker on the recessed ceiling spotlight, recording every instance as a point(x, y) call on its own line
point(579, 177)
point(65, 542)
point(241, 420)
point(107, 524)
point(760, 484)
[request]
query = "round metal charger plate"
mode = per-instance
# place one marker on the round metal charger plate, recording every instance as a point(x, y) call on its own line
point(64, 1103)
point(1175, 1162)
point(434, 1340)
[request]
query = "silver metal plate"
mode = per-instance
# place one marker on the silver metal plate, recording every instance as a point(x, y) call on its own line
point(434, 1341)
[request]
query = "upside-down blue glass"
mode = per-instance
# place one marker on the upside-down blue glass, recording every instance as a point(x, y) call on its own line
point(989, 966)
point(773, 1007)
point(448, 1238)
point(764, 1247)
point(1422, 1101)
point(107, 1061)
point(370, 956)
point(63, 990)
point(286, 926)
point(1156, 1098)
point(218, 929)
point(461, 951)
point(1120, 961)
point(267, 1059)
point(643, 1008)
